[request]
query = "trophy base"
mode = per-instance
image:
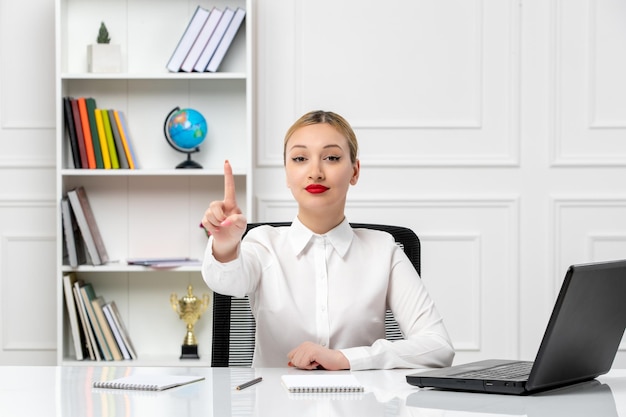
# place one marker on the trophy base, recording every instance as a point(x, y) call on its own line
point(189, 352)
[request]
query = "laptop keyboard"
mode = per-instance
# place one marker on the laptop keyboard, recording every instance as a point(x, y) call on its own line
point(513, 370)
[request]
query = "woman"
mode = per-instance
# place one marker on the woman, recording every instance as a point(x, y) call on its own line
point(319, 289)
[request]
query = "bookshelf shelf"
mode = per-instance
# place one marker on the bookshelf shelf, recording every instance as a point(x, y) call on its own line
point(122, 267)
point(154, 210)
point(163, 75)
point(150, 361)
point(148, 173)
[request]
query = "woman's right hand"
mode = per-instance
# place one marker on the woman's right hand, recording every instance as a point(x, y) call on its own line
point(224, 220)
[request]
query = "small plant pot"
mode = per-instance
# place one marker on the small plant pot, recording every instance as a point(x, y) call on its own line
point(104, 57)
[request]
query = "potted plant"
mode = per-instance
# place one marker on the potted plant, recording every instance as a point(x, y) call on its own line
point(104, 56)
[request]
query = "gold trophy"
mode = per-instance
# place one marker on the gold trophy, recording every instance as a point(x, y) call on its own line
point(189, 309)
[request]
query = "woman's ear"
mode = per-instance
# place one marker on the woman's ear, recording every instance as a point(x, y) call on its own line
point(356, 170)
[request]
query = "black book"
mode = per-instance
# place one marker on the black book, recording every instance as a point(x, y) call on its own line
point(71, 130)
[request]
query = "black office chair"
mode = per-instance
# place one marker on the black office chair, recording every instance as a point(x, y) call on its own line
point(233, 322)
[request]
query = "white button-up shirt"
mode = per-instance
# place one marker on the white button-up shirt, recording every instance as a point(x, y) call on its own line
point(332, 289)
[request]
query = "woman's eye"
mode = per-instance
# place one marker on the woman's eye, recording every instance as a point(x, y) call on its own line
point(333, 158)
point(297, 158)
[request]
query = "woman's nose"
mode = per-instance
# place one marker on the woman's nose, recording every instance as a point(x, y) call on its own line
point(316, 172)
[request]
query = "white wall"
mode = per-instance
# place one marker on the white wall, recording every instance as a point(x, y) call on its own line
point(493, 128)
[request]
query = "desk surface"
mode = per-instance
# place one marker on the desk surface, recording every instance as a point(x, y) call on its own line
point(66, 392)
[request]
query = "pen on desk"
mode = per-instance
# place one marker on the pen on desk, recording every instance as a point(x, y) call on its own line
point(249, 383)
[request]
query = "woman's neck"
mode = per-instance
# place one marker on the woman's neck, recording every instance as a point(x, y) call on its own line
point(320, 224)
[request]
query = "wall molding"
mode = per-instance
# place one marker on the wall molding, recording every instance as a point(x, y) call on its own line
point(8, 343)
point(509, 156)
point(594, 130)
point(560, 203)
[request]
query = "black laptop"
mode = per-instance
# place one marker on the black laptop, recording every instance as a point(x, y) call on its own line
point(579, 344)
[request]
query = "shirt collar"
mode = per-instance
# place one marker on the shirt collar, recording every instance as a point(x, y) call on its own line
point(340, 237)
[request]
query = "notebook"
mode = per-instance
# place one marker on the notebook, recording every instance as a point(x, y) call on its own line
point(321, 383)
point(148, 382)
point(579, 343)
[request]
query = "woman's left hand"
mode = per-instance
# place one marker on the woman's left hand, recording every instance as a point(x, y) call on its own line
point(310, 355)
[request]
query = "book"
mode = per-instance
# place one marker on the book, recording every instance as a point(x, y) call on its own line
point(148, 382)
point(119, 146)
point(78, 128)
point(214, 40)
point(110, 141)
point(128, 138)
point(321, 383)
point(201, 40)
point(198, 19)
point(122, 130)
point(84, 121)
point(71, 131)
point(71, 233)
point(88, 226)
point(98, 303)
point(227, 40)
point(106, 158)
point(156, 263)
point(117, 317)
point(87, 293)
point(90, 338)
point(95, 134)
point(72, 311)
point(117, 332)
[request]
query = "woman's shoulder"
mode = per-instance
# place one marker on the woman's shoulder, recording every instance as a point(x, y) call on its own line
point(373, 235)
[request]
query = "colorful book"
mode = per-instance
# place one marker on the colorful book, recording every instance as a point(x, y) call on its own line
point(90, 337)
point(214, 41)
point(84, 120)
point(71, 131)
point(87, 293)
point(70, 303)
point(201, 41)
point(185, 43)
point(95, 135)
point(71, 233)
point(117, 334)
point(106, 158)
point(97, 304)
point(119, 146)
point(110, 141)
point(78, 128)
point(122, 130)
point(227, 40)
point(88, 226)
point(117, 318)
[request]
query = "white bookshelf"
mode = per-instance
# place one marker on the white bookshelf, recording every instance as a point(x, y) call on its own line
point(155, 210)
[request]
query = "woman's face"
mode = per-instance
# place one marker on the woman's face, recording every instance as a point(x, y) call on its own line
point(318, 167)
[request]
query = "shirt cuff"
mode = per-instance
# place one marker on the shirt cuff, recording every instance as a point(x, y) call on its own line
point(358, 357)
point(222, 266)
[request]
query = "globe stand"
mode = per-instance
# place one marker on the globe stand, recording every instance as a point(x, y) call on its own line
point(188, 163)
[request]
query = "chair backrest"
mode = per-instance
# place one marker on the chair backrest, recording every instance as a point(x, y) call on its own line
point(233, 322)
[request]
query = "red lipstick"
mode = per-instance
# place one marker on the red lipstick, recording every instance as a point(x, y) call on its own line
point(316, 188)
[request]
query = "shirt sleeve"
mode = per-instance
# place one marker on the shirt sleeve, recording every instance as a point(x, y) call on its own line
point(426, 343)
point(225, 278)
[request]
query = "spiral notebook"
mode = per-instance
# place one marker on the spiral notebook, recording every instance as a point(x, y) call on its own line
point(321, 383)
point(148, 382)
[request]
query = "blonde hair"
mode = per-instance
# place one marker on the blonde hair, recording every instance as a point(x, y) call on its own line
point(334, 120)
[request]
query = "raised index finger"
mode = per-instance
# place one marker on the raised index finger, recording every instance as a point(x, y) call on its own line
point(229, 186)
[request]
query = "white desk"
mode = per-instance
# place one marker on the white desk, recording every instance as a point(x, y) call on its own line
point(66, 392)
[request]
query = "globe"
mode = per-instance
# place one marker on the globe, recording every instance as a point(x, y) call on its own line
point(185, 130)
